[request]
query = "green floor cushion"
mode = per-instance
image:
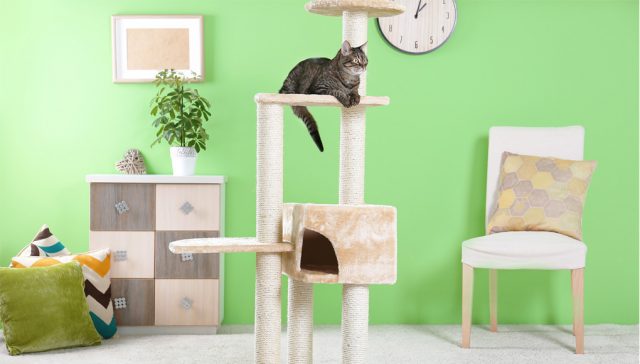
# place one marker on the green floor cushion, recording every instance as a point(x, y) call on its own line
point(96, 267)
point(45, 308)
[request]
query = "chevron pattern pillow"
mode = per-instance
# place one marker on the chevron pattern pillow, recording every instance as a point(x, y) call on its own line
point(44, 244)
point(96, 268)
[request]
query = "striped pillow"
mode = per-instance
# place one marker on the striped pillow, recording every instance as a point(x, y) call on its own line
point(45, 244)
point(96, 268)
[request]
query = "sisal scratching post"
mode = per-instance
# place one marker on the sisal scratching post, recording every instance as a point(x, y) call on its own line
point(355, 298)
point(268, 230)
point(354, 30)
point(300, 322)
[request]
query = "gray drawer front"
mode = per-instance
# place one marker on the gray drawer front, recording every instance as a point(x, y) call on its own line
point(139, 299)
point(136, 213)
point(169, 265)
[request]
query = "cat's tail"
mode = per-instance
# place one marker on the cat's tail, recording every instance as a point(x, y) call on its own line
point(303, 113)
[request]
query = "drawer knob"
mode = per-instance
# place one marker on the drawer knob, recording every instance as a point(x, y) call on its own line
point(186, 303)
point(120, 255)
point(121, 207)
point(119, 303)
point(186, 257)
point(186, 208)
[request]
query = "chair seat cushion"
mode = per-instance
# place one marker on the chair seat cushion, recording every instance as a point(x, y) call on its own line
point(524, 250)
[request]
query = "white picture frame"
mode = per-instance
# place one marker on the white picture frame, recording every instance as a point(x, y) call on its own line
point(143, 45)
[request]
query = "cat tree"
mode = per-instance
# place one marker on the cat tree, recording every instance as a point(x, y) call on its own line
point(350, 243)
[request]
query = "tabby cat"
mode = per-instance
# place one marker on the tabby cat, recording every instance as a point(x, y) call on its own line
point(338, 77)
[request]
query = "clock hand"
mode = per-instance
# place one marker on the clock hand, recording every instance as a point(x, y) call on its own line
point(420, 8)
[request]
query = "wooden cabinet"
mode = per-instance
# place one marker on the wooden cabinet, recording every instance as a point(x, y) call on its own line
point(137, 216)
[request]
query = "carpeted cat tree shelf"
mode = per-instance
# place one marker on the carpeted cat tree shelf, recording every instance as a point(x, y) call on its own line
point(351, 243)
point(348, 244)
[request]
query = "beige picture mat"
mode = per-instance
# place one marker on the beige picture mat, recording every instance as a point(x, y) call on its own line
point(143, 45)
point(152, 49)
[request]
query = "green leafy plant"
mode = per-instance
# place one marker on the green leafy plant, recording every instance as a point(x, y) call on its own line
point(180, 111)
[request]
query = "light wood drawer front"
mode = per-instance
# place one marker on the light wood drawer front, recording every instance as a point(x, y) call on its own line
point(186, 302)
point(122, 206)
point(169, 265)
point(133, 302)
point(188, 207)
point(132, 252)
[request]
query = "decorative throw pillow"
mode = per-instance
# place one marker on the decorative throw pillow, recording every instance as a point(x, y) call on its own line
point(541, 194)
point(96, 268)
point(44, 308)
point(44, 244)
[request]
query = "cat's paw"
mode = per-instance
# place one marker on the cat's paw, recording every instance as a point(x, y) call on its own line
point(355, 99)
point(345, 101)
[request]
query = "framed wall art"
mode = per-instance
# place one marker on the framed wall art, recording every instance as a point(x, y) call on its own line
point(143, 45)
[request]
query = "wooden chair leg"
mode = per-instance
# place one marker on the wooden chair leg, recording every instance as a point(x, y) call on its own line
point(577, 286)
point(573, 330)
point(467, 303)
point(493, 299)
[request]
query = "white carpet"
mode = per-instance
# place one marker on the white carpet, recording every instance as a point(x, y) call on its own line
point(394, 344)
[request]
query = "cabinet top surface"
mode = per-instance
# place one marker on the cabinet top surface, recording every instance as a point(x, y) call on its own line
point(153, 178)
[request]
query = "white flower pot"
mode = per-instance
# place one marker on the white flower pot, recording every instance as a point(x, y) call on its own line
point(183, 161)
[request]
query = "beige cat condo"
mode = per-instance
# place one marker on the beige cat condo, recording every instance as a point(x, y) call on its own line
point(351, 243)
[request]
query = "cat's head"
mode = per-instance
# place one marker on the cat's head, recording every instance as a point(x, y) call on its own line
point(353, 60)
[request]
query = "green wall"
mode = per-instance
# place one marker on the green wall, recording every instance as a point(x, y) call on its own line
point(528, 63)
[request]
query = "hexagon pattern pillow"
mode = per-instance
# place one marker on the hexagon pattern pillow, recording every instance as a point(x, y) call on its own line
point(541, 194)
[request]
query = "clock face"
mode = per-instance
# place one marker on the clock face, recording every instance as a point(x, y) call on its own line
point(424, 26)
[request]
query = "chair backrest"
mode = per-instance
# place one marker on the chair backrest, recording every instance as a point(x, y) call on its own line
point(563, 142)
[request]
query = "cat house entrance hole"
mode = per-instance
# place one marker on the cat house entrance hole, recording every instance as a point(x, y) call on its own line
point(317, 253)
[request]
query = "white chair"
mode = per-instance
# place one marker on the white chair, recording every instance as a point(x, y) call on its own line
point(524, 249)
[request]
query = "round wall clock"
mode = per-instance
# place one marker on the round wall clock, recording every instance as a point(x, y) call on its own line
point(423, 27)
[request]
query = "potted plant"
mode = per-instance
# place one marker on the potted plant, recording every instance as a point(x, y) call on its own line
point(180, 113)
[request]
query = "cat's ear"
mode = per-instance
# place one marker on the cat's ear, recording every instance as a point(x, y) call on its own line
point(346, 48)
point(363, 45)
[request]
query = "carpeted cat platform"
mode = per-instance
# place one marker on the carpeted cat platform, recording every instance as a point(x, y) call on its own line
point(394, 344)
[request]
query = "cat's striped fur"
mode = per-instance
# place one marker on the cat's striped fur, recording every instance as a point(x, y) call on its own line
point(339, 77)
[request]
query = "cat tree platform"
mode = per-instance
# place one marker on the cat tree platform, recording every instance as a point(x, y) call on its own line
point(348, 244)
point(226, 245)
point(316, 100)
point(373, 8)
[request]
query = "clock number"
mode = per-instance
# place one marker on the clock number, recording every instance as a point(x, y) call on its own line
point(400, 39)
point(430, 39)
point(444, 2)
point(443, 28)
point(390, 27)
point(416, 45)
point(447, 15)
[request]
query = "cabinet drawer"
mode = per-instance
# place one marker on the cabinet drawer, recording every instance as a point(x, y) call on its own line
point(169, 265)
point(187, 207)
point(122, 206)
point(133, 302)
point(186, 302)
point(132, 252)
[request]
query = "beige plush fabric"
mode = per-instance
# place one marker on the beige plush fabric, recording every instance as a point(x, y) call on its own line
point(373, 8)
point(350, 244)
point(541, 194)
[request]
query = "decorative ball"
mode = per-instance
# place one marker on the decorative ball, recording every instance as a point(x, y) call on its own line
point(132, 163)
